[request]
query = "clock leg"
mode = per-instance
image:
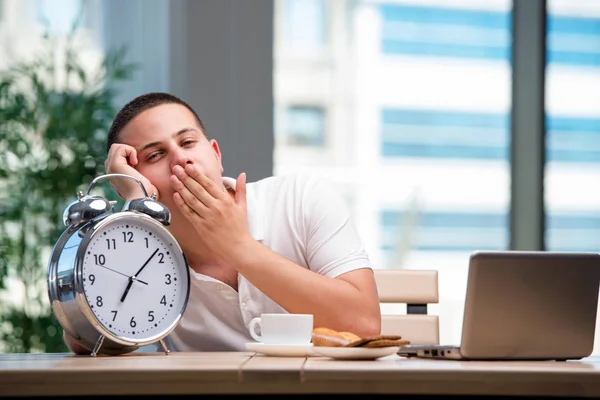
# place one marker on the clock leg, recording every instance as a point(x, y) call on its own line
point(97, 346)
point(164, 346)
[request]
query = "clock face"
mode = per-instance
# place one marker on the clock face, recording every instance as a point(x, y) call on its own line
point(135, 278)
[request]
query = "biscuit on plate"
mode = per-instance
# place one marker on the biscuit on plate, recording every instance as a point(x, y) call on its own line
point(364, 342)
point(330, 338)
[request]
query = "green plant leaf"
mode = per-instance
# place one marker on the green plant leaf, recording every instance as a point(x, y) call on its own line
point(52, 139)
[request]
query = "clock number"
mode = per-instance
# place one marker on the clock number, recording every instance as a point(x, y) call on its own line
point(162, 258)
point(132, 323)
point(150, 316)
point(168, 277)
point(92, 278)
point(99, 259)
point(99, 302)
point(113, 242)
point(146, 239)
point(128, 237)
point(114, 314)
point(163, 300)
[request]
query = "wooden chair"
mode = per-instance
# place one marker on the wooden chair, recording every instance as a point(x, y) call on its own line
point(417, 289)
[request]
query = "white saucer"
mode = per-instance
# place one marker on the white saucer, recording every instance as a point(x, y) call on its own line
point(356, 353)
point(282, 350)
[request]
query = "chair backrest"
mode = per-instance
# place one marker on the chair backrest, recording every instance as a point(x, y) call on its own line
point(417, 289)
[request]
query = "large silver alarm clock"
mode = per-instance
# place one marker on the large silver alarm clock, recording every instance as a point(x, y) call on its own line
point(117, 281)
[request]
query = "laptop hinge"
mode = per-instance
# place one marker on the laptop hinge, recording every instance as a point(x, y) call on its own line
point(416, 308)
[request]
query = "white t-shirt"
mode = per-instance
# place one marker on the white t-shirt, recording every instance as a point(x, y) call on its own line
point(298, 216)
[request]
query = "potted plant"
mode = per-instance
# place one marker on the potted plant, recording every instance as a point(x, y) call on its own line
point(54, 116)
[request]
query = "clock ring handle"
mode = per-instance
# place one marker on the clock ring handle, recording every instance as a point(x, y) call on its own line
point(101, 177)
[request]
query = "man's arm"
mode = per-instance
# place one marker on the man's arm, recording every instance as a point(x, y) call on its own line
point(346, 303)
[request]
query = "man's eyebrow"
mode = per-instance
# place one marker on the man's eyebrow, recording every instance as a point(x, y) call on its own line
point(178, 133)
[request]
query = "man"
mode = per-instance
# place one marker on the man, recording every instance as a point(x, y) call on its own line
point(282, 244)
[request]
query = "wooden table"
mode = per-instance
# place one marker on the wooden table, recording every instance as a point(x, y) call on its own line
point(249, 373)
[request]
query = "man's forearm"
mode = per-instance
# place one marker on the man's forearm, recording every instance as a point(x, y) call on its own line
point(334, 303)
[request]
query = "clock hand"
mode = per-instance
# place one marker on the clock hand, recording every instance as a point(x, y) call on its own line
point(120, 273)
point(144, 266)
point(126, 290)
point(134, 277)
point(138, 280)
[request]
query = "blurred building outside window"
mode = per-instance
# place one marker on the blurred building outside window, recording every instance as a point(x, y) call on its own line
point(419, 137)
point(417, 95)
point(305, 126)
point(26, 21)
point(58, 16)
point(305, 24)
point(573, 126)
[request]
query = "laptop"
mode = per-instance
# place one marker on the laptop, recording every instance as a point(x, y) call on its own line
point(525, 305)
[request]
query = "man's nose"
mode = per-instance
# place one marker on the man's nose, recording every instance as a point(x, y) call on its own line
point(181, 159)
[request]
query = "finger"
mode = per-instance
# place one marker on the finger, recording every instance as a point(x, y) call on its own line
point(240, 189)
point(194, 186)
point(119, 155)
point(132, 156)
point(189, 197)
point(108, 163)
point(207, 184)
point(185, 209)
point(129, 154)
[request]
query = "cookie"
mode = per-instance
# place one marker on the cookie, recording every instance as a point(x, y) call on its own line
point(349, 336)
point(363, 341)
point(385, 343)
point(331, 338)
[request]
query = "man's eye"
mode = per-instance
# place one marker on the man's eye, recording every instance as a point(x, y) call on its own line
point(153, 156)
point(187, 142)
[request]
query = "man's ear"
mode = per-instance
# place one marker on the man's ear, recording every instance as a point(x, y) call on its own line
point(215, 147)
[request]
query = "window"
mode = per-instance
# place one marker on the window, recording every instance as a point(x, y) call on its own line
point(444, 134)
point(305, 23)
point(573, 126)
point(304, 126)
point(58, 16)
point(418, 100)
point(445, 31)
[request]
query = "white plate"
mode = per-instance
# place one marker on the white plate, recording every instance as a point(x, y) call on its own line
point(282, 350)
point(356, 353)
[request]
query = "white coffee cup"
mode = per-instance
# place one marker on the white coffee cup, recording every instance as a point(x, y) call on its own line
point(285, 329)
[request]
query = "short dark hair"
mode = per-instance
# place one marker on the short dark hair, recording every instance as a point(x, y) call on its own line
point(140, 104)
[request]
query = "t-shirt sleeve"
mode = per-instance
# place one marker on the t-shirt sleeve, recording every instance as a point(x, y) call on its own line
point(333, 244)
